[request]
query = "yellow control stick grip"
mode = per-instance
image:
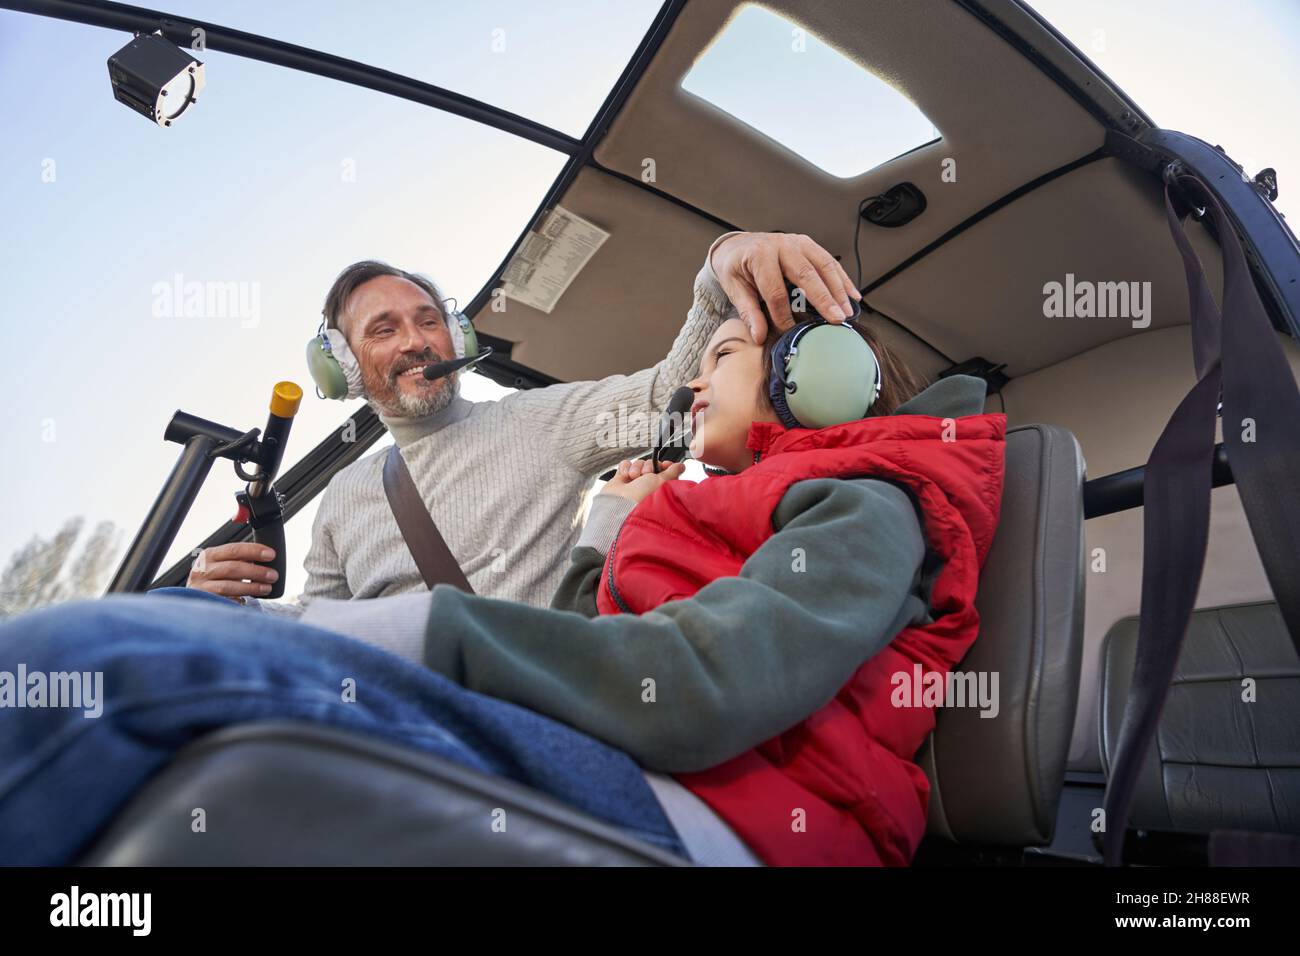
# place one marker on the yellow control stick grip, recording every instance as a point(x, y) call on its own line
point(285, 399)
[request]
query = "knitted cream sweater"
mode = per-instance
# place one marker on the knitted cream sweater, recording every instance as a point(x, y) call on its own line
point(505, 481)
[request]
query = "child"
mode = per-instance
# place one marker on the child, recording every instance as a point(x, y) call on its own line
point(859, 590)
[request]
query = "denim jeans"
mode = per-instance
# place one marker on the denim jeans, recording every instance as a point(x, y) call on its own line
point(179, 663)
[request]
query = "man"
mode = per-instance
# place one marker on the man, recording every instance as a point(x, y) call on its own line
point(503, 480)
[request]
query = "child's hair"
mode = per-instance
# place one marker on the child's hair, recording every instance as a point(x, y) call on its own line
point(898, 382)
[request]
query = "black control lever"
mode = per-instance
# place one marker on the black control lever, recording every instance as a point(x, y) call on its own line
point(204, 443)
point(259, 503)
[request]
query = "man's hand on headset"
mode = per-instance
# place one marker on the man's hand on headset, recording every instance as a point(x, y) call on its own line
point(754, 265)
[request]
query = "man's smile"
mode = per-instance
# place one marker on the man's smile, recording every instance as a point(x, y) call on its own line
point(415, 373)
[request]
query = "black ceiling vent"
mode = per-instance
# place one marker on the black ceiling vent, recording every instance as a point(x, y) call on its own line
point(896, 206)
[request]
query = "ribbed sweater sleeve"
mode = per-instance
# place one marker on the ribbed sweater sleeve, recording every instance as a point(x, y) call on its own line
point(587, 421)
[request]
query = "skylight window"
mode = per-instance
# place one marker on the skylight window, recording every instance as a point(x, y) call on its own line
point(790, 86)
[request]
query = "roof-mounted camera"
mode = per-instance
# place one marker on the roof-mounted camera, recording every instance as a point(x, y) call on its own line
point(155, 77)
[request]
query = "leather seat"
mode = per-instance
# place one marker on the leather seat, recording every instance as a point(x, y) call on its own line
point(297, 794)
point(996, 781)
point(1219, 761)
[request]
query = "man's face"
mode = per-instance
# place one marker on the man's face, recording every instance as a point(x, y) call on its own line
point(395, 329)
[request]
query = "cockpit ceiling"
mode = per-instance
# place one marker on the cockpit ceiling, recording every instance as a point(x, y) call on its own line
point(1005, 123)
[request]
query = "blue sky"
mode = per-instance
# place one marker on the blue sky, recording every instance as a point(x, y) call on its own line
point(252, 190)
point(747, 72)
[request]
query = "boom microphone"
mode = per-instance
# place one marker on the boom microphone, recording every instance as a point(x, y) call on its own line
point(442, 369)
point(670, 443)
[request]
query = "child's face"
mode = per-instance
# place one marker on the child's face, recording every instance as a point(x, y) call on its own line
point(727, 398)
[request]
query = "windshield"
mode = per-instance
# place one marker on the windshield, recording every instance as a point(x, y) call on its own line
point(152, 270)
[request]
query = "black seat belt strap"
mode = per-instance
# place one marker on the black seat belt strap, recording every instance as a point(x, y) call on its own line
point(1239, 354)
point(432, 556)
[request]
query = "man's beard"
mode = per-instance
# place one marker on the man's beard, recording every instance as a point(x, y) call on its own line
point(431, 398)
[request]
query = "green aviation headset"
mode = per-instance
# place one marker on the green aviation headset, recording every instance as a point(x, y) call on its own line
point(823, 373)
point(337, 375)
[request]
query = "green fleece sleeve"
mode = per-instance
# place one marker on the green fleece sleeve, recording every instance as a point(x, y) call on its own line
point(578, 587)
point(698, 681)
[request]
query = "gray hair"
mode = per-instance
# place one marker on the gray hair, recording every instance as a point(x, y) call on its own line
point(359, 273)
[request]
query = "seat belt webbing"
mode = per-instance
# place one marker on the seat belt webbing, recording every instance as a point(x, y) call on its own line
point(432, 556)
point(1242, 358)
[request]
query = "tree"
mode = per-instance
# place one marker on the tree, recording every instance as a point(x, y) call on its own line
point(35, 575)
point(91, 571)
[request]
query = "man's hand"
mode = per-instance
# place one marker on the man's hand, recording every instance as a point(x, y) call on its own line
point(221, 570)
point(636, 480)
point(755, 264)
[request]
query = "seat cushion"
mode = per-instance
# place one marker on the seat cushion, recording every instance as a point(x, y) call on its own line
point(1220, 759)
point(294, 794)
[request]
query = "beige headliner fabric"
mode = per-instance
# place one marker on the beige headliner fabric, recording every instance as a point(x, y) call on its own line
point(982, 294)
point(624, 314)
point(623, 310)
point(1002, 121)
point(1102, 92)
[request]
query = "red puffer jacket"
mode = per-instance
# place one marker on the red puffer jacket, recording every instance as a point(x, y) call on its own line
point(841, 787)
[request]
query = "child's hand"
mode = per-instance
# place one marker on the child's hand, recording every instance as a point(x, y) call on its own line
point(635, 480)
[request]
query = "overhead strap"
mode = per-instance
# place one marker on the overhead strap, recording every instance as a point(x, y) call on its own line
point(432, 556)
point(1241, 358)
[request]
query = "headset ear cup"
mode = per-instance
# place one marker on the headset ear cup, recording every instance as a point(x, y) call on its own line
point(833, 376)
point(457, 332)
point(325, 370)
point(464, 339)
point(340, 356)
point(776, 393)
